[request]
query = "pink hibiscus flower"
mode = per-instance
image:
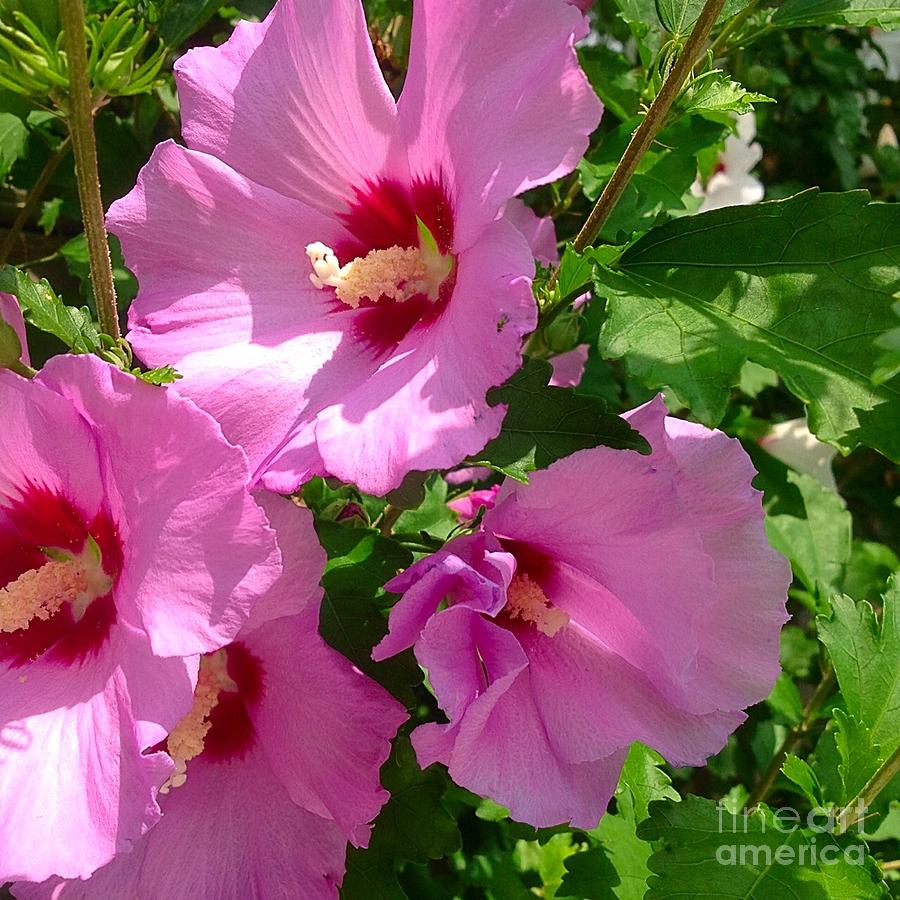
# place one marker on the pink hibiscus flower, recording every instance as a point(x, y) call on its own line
point(469, 505)
point(328, 268)
point(278, 761)
point(129, 545)
point(580, 620)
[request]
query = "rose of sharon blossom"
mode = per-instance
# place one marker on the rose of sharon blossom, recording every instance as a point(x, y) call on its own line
point(732, 184)
point(616, 598)
point(328, 268)
point(277, 763)
point(129, 545)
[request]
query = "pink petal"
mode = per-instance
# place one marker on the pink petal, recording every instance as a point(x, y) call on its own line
point(76, 788)
point(627, 536)
point(616, 704)
point(230, 832)
point(425, 408)
point(44, 442)
point(198, 550)
point(503, 752)
point(569, 367)
point(539, 232)
point(324, 727)
point(251, 329)
point(468, 506)
point(296, 103)
point(12, 315)
point(495, 98)
point(470, 568)
point(714, 475)
point(297, 591)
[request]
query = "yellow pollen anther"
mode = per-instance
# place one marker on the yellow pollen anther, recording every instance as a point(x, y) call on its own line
point(187, 738)
point(39, 593)
point(525, 600)
point(397, 273)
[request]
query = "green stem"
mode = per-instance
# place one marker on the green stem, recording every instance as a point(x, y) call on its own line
point(793, 737)
point(388, 519)
point(722, 40)
point(21, 369)
point(651, 125)
point(33, 198)
point(80, 118)
point(855, 810)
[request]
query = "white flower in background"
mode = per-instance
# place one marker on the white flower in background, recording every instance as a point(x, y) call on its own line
point(732, 184)
point(889, 43)
point(796, 446)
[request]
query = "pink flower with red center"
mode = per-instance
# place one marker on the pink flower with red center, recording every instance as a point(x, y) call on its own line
point(277, 763)
point(328, 268)
point(129, 545)
point(616, 598)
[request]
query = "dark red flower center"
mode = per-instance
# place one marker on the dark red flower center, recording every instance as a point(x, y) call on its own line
point(527, 601)
point(401, 250)
point(58, 569)
point(219, 725)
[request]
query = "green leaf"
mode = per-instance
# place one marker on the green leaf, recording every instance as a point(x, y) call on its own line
point(50, 210)
point(642, 782)
point(360, 561)
point(801, 773)
point(819, 545)
point(857, 13)
point(798, 651)
point(679, 15)
point(864, 656)
point(800, 286)
point(413, 825)
point(785, 699)
point(43, 309)
point(161, 375)
point(370, 876)
point(589, 876)
point(627, 852)
point(13, 138)
point(708, 852)
point(659, 186)
point(10, 346)
point(645, 780)
point(717, 93)
point(617, 83)
point(432, 515)
point(860, 756)
point(182, 18)
point(888, 364)
point(545, 423)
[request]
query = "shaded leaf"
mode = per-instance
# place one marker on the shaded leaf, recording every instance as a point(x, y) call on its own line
point(865, 655)
point(589, 876)
point(360, 561)
point(545, 423)
point(13, 138)
point(708, 852)
point(818, 545)
point(800, 286)
point(858, 13)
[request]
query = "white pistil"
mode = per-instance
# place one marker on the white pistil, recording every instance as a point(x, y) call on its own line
point(397, 273)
